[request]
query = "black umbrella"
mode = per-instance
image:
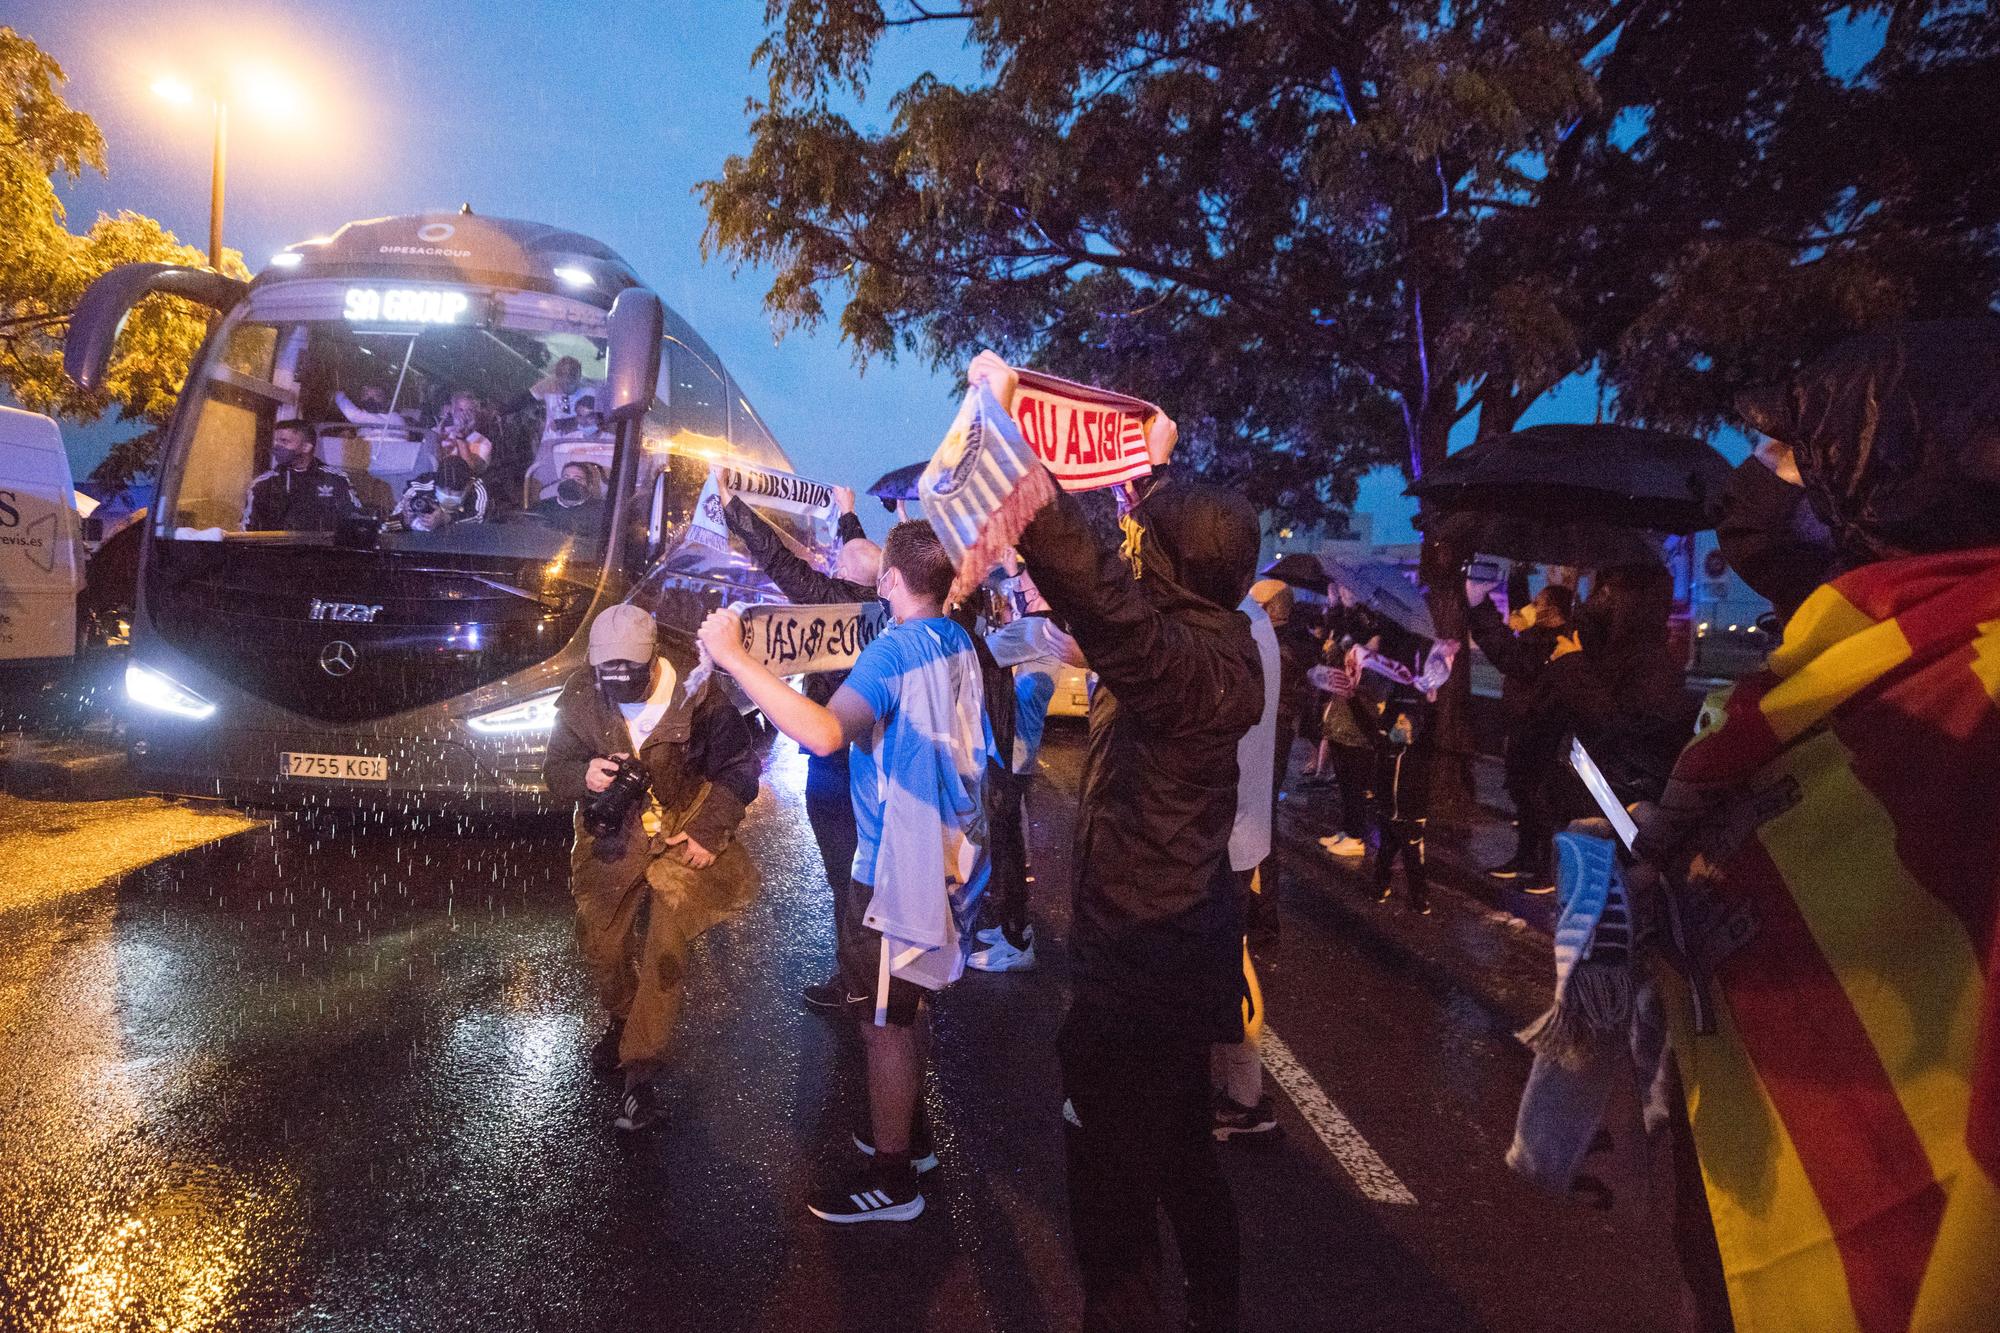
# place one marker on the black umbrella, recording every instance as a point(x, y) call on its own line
point(1300, 570)
point(898, 484)
point(1614, 476)
point(1583, 544)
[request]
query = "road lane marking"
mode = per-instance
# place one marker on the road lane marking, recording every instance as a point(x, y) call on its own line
point(1362, 1163)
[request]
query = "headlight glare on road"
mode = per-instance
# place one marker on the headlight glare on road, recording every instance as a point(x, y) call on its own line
point(150, 688)
point(535, 714)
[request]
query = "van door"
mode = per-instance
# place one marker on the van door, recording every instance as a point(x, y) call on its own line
point(41, 565)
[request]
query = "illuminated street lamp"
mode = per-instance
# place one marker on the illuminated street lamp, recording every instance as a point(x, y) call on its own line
point(253, 88)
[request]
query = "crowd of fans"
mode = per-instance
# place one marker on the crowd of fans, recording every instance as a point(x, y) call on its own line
point(1204, 684)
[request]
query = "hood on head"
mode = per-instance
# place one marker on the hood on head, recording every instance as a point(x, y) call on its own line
point(1897, 437)
point(1203, 539)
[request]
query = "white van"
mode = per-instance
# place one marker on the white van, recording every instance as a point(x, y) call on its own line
point(41, 554)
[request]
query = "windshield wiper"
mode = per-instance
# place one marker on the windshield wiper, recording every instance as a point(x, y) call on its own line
point(489, 582)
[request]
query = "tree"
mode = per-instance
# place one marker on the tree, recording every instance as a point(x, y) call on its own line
point(1323, 232)
point(44, 269)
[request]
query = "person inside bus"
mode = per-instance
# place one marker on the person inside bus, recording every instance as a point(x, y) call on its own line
point(458, 435)
point(299, 493)
point(451, 494)
point(577, 503)
point(570, 402)
point(369, 407)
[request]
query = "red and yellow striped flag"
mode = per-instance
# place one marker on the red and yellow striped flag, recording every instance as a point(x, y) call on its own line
point(1847, 1110)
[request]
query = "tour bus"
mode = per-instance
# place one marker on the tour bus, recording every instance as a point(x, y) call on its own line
point(326, 636)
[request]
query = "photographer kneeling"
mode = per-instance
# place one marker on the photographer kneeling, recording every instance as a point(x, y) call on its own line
point(654, 833)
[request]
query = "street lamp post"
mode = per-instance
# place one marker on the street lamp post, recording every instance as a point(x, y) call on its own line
point(217, 173)
point(277, 98)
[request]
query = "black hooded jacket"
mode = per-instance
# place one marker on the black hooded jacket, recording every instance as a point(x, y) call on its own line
point(1158, 932)
point(800, 582)
point(1897, 436)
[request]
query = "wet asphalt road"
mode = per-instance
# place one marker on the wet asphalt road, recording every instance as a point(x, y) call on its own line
point(321, 1078)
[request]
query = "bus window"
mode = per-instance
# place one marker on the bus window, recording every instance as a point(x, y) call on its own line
point(386, 402)
point(236, 412)
point(697, 400)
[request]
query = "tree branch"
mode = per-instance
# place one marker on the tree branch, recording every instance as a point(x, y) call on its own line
point(930, 16)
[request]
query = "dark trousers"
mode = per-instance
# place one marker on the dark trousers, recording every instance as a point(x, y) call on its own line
point(1402, 808)
point(1007, 846)
point(1531, 772)
point(1403, 840)
point(1351, 765)
point(830, 811)
point(1136, 1130)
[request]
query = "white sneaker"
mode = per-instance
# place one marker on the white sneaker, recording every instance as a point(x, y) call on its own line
point(1343, 845)
point(1002, 956)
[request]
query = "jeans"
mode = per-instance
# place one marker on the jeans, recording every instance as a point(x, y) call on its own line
point(1136, 1130)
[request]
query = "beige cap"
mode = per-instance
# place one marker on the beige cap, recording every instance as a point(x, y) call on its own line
point(622, 633)
point(1263, 590)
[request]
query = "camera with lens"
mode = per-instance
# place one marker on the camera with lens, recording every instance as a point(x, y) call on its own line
point(422, 504)
point(604, 812)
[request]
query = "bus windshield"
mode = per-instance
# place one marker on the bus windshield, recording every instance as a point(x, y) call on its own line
point(462, 420)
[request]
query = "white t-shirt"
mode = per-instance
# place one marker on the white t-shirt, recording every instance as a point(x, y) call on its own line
point(561, 407)
point(1257, 755)
point(642, 717)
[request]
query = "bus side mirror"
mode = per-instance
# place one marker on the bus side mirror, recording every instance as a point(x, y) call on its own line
point(637, 320)
point(94, 325)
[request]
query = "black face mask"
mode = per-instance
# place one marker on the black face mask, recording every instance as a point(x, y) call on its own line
point(571, 492)
point(1773, 539)
point(625, 682)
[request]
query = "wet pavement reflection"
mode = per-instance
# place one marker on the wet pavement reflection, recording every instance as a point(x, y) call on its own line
point(328, 1076)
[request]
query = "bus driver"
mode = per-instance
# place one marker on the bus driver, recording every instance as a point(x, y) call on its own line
point(299, 493)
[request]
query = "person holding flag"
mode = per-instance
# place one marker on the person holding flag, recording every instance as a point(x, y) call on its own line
point(912, 710)
point(1830, 840)
point(829, 810)
point(1157, 944)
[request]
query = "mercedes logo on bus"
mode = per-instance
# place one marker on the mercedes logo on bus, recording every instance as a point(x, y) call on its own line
point(338, 658)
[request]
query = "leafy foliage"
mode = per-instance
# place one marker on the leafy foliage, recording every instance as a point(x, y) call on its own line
point(44, 268)
point(1322, 231)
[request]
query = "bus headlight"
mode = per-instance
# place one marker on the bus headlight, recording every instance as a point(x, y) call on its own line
point(143, 685)
point(536, 714)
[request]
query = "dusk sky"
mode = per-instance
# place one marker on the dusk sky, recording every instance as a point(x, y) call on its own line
point(597, 117)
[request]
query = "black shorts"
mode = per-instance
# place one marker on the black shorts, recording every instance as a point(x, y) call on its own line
point(860, 950)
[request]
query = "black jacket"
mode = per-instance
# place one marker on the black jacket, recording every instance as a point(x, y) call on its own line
point(1634, 718)
point(702, 739)
point(800, 582)
point(1158, 934)
point(288, 500)
point(1519, 658)
point(1298, 653)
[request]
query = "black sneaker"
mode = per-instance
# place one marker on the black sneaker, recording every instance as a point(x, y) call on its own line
point(1512, 868)
point(1539, 884)
point(1233, 1119)
point(640, 1109)
point(876, 1193)
point(826, 997)
point(604, 1054)
point(923, 1153)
